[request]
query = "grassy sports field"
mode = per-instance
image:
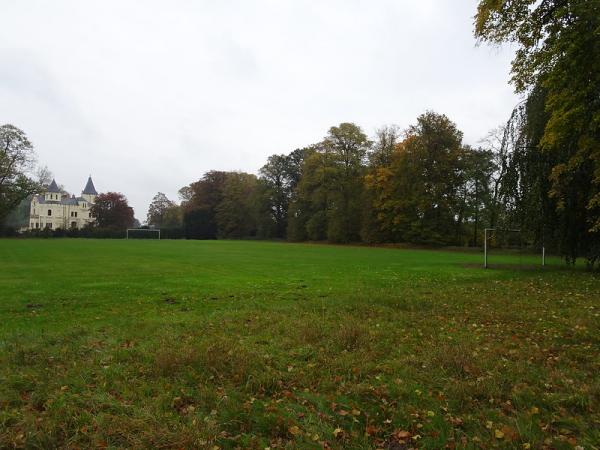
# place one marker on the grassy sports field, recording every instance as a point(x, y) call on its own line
point(222, 344)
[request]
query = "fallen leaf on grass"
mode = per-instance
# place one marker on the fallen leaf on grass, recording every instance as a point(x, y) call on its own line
point(402, 434)
point(371, 430)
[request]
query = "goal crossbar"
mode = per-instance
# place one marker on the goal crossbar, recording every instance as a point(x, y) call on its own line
point(142, 229)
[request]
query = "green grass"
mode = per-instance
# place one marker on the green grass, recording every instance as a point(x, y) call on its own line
point(204, 344)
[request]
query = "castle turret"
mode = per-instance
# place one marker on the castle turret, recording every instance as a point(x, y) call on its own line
point(89, 191)
point(52, 192)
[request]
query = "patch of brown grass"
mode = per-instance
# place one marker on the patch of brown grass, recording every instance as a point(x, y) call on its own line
point(456, 360)
point(352, 335)
point(170, 360)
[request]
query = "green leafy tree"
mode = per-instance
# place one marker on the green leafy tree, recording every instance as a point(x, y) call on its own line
point(386, 140)
point(345, 149)
point(221, 205)
point(173, 217)
point(200, 201)
point(276, 191)
point(278, 181)
point(17, 159)
point(308, 210)
point(236, 213)
point(475, 195)
point(328, 199)
point(163, 212)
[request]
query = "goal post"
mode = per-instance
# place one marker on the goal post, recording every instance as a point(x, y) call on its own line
point(132, 231)
point(487, 233)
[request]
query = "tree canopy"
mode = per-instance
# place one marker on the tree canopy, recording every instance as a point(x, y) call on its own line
point(112, 210)
point(163, 212)
point(557, 67)
point(17, 159)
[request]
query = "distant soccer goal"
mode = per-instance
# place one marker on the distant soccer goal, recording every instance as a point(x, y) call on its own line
point(510, 240)
point(143, 233)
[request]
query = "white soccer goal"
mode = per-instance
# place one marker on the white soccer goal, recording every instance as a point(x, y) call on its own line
point(132, 231)
point(487, 233)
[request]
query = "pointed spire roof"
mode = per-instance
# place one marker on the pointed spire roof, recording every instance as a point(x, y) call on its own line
point(53, 187)
point(89, 188)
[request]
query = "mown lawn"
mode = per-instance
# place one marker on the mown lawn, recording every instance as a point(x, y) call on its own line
point(220, 344)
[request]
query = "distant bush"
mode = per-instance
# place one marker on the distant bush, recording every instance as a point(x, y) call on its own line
point(8, 231)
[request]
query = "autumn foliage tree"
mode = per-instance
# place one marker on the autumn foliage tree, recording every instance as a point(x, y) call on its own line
point(417, 197)
point(111, 210)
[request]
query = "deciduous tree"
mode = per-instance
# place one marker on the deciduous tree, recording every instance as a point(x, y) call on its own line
point(558, 60)
point(112, 210)
point(163, 212)
point(17, 160)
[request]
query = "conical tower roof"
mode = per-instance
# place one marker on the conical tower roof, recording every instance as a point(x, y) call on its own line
point(53, 187)
point(89, 188)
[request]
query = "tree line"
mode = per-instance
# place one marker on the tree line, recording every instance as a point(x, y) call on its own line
point(422, 185)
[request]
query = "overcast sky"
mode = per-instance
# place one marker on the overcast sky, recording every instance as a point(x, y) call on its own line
point(146, 96)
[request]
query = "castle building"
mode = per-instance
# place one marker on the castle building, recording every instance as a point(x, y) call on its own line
point(56, 209)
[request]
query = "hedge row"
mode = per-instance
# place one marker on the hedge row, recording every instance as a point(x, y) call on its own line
point(93, 233)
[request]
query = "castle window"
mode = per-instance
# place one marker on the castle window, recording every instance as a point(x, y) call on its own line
point(90, 215)
point(75, 213)
point(49, 225)
point(37, 224)
point(49, 212)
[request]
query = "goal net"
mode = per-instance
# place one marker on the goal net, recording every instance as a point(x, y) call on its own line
point(142, 233)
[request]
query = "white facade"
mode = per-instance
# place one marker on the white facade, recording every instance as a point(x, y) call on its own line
point(56, 209)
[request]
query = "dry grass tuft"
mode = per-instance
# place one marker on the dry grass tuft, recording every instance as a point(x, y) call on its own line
point(456, 360)
point(170, 360)
point(352, 335)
